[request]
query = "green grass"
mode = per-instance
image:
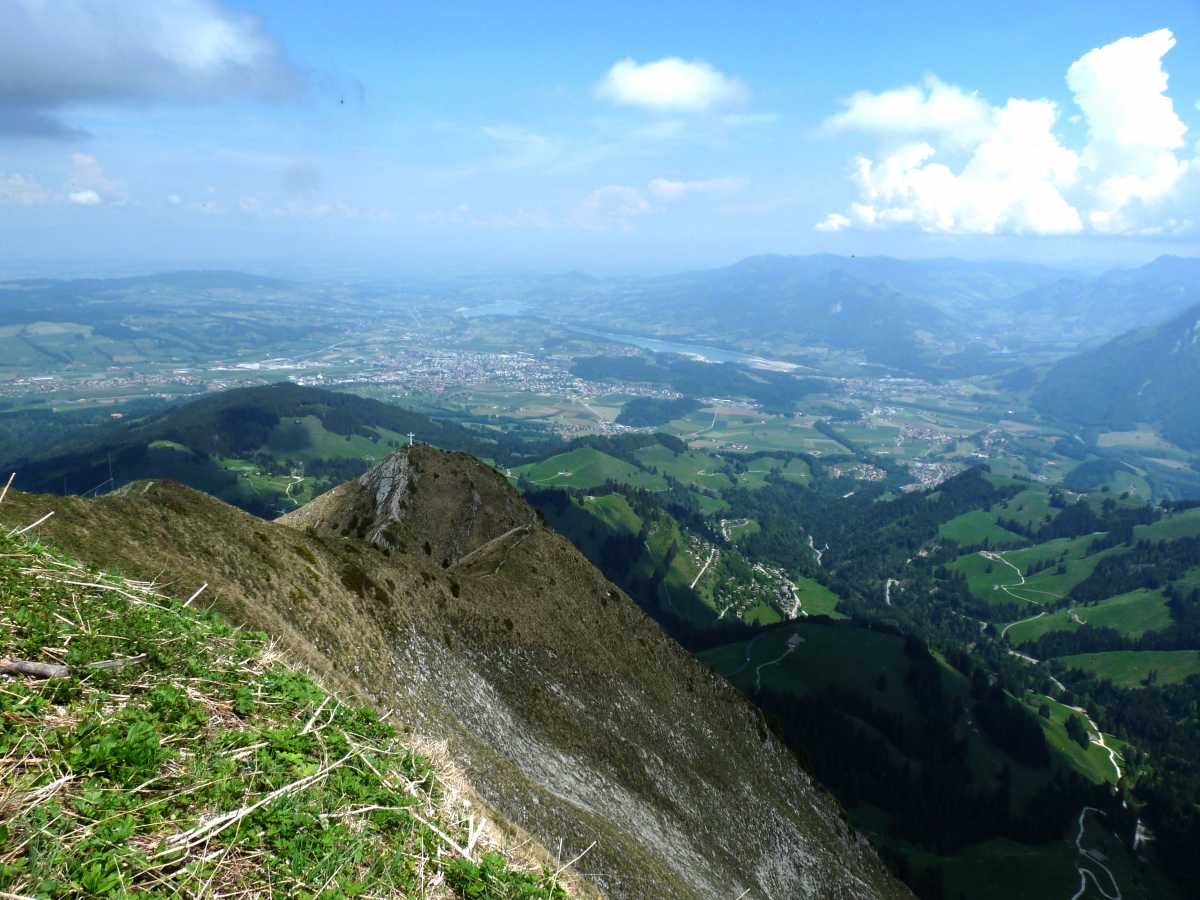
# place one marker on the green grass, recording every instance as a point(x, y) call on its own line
point(586, 467)
point(741, 528)
point(1002, 869)
point(1170, 527)
point(829, 655)
point(761, 614)
point(1132, 614)
point(1093, 762)
point(693, 467)
point(325, 444)
point(1048, 584)
point(1128, 668)
point(614, 511)
point(1030, 507)
point(207, 765)
point(975, 527)
point(816, 599)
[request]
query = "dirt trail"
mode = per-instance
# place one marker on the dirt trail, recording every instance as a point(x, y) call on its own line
point(1004, 631)
point(792, 643)
point(1097, 737)
point(887, 590)
point(1085, 874)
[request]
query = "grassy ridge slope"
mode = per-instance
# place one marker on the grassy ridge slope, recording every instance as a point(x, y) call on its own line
point(207, 765)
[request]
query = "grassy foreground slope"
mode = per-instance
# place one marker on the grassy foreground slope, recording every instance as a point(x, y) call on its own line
point(169, 753)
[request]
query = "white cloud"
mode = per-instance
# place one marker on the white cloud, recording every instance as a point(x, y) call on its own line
point(670, 84)
point(71, 51)
point(667, 190)
point(1133, 131)
point(88, 178)
point(611, 206)
point(984, 169)
point(932, 106)
point(21, 190)
point(833, 222)
point(84, 198)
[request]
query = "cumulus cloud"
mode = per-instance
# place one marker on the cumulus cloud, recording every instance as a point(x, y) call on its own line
point(84, 198)
point(833, 222)
point(666, 189)
point(670, 84)
point(1133, 130)
point(88, 179)
point(966, 166)
point(932, 106)
point(53, 55)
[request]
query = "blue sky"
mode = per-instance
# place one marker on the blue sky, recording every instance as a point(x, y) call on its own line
point(379, 137)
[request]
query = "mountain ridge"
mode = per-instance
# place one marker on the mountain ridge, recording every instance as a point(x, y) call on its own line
point(1149, 375)
point(503, 647)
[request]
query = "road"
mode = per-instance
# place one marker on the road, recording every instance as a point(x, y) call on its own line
point(887, 590)
point(999, 557)
point(1085, 874)
point(708, 562)
point(296, 479)
point(1020, 585)
point(793, 642)
point(1004, 631)
point(1097, 737)
point(749, 655)
point(711, 426)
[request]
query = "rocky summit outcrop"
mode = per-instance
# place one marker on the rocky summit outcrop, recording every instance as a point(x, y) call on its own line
point(429, 588)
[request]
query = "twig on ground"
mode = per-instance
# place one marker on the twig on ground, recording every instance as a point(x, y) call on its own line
point(17, 531)
point(199, 591)
point(52, 670)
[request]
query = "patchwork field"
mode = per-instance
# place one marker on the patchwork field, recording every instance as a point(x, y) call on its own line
point(1128, 668)
point(586, 467)
point(1132, 614)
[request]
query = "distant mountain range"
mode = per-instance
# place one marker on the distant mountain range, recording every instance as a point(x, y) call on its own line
point(1150, 375)
point(933, 317)
point(1120, 300)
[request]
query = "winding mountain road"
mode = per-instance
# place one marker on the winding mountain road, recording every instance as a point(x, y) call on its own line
point(1085, 874)
point(793, 642)
point(1004, 631)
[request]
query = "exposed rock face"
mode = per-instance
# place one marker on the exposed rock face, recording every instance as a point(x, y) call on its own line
point(419, 497)
point(576, 717)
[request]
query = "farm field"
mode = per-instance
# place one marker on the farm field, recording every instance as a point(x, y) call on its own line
point(1132, 614)
point(613, 510)
point(586, 467)
point(1066, 560)
point(815, 598)
point(694, 468)
point(976, 527)
point(1128, 668)
point(1170, 527)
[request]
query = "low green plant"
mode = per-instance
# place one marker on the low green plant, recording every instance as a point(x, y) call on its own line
point(204, 765)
